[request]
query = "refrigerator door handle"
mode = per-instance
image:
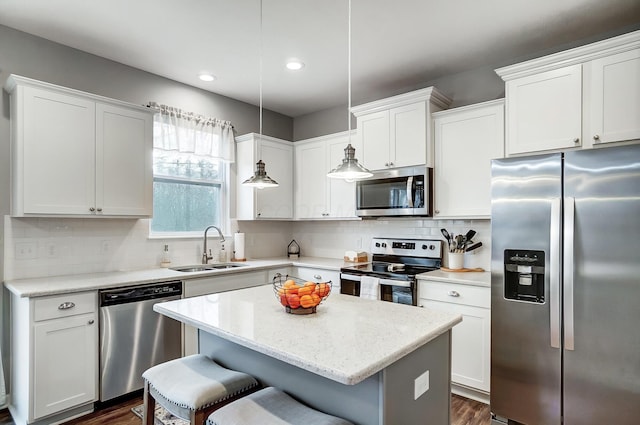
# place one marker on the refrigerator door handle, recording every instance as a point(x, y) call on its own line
point(569, 226)
point(554, 273)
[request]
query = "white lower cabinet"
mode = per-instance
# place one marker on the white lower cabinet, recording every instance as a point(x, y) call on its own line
point(471, 339)
point(319, 275)
point(55, 357)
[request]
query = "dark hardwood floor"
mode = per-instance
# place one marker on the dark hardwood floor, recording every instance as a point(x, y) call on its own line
point(463, 412)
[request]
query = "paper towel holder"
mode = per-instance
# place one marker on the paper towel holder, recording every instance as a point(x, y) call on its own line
point(293, 249)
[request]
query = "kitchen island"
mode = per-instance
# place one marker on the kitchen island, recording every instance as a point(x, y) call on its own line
point(371, 362)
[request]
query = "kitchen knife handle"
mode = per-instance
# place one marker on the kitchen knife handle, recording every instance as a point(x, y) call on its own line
point(569, 232)
point(554, 274)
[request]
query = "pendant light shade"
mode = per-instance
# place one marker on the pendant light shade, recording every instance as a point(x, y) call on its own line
point(260, 179)
point(350, 169)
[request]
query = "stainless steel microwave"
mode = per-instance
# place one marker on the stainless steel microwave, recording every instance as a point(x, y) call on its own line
point(405, 191)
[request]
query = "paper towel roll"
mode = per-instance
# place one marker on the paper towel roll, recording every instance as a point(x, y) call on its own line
point(238, 246)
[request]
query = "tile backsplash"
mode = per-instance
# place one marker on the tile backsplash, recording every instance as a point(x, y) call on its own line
point(39, 247)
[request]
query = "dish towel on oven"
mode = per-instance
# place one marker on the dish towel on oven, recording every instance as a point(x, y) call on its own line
point(370, 288)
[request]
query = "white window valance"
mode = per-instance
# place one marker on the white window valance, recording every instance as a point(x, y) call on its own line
point(187, 132)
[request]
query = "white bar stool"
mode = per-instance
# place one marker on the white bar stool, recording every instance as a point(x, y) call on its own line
point(192, 387)
point(270, 406)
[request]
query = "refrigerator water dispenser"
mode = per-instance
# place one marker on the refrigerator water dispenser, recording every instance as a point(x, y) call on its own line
point(524, 275)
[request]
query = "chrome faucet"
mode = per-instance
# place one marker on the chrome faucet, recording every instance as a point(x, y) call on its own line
point(206, 257)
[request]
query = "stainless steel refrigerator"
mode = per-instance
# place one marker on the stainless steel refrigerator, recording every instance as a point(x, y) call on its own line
point(565, 288)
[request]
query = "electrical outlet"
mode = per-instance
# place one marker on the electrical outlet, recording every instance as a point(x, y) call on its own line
point(421, 385)
point(26, 251)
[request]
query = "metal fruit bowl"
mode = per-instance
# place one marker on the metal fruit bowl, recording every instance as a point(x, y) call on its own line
point(299, 296)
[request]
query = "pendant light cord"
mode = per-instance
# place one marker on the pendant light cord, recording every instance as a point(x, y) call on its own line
point(260, 69)
point(349, 74)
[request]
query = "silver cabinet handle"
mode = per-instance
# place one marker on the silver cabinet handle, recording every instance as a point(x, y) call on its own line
point(92, 209)
point(554, 274)
point(259, 214)
point(437, 211)
point(66, 305)
point(569, 222)
point(317, 277)
point(391, 164)
point(99, 209)
point(453, 293)
point(596, 137)
point(576, 140)
point(386, 164)
point(90, 322)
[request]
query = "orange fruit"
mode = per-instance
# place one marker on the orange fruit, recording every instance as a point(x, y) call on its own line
point(291, 289)
point(283, 300)
point(306, 290)
point(290, 283)
point(293, 300)
point(323, 289)
point(306, 301)
point(316, 298)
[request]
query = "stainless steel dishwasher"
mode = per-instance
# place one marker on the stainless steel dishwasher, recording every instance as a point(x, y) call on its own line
point(133, 337)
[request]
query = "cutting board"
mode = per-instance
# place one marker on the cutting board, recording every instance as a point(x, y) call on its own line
point(478, 269)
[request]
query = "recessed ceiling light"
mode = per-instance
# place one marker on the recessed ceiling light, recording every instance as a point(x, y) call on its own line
point(206, 77)
point(294, 65)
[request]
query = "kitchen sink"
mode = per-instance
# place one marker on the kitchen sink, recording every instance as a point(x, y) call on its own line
point(206, 267)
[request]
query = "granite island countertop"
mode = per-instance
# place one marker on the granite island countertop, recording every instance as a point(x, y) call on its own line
point(348, 340)
point(53, 285)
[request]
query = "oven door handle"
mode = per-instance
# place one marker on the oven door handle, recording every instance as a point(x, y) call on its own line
point(388, 282)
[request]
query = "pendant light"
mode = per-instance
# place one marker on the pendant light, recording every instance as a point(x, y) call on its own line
point(260, 179)
point(350, 169)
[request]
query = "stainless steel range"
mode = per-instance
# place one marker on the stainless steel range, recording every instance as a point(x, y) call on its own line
point(396, 262)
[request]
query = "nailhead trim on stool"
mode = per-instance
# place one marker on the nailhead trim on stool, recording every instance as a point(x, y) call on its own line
point(192, 387)
point(270, 406)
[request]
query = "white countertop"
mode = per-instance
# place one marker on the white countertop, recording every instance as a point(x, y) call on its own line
point(42, 286)
point(348, 340)
point(463, 278)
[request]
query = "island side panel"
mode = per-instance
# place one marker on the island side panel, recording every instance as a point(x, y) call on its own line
point(358, 403)
point(400, 406)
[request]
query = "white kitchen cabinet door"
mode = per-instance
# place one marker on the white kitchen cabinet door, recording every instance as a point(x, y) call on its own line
point(544, 111)
point(65, 363)
point(124, 177)
point(276, 202)
point(615, 98)
point(470, 344)
point(271, 202)
point(408, 135)
point(466, 140)
point(341, 193)
point(311, 180)
point(55, 157)
point(373, 132)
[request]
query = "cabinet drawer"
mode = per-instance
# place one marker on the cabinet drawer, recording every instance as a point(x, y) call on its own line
point(64, 305)
point(456, 293)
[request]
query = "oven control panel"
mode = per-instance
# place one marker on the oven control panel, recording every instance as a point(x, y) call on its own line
point(411, 247)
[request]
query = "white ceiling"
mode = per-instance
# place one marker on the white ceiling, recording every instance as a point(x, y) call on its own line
point(396, 44)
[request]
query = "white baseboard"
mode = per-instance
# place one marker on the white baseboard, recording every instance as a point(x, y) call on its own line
point(473, 394)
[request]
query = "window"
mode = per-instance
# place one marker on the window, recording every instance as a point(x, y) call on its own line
point(190, 172)
point(188, 193)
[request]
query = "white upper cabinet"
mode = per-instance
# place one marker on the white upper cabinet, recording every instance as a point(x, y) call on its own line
point(316, 195)
point(268, 203)
point(396, 131)
point(578, 98)
point(466, 140)
point(78, 154)
point(615, 98)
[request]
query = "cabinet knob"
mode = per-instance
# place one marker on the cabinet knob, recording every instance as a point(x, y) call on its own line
point(66, 305)
point(391, 164)
point(99, 209)
point(576, 140)
point(92, 209)
point(259, 214)
point(317, 277)
point(386, 164)
point(90, 322)
point(596, 137)
point(453, 293)
point(437, 211)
